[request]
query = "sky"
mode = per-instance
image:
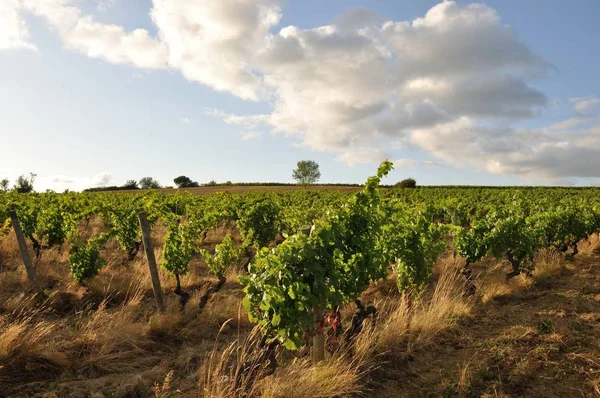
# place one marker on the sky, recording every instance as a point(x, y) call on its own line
point(97, 92)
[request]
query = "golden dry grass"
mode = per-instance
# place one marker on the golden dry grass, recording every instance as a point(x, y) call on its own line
point(548, 265)
point(334, 377)
point(233, 371)
point(590, 246)
point(25, 345)
point(107, 335)
point(408, 321)
point(492, 283)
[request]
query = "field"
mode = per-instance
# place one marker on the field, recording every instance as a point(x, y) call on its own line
point(206, 190)
point(414, 292)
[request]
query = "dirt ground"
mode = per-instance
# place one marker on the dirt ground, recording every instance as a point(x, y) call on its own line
point(533, 336)
point(540, 340)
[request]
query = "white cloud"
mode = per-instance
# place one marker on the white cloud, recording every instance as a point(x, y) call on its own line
point(105, 5)
point(410, 163)
point(60, 182)
point(532, 153)
point(359, 155)
point(246, 121)
point(13, 30)
point(101, 179)
point(453, 83)
point(250, 134)
point(213, 42)
point(109, 42)
point(405, 163)
point(63, 180)
point(586, 105)
point(431, 163)
point(185, 120)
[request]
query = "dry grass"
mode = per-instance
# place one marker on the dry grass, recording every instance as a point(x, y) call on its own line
point(590, 365)
point(26, 346)
point(463, 378)
point(234, 370)
point(112, 341)
point(446, 305)
point(164, 390)
point(109, 334)
point(492, 283)
point(335, 377)
point(164, 327)
point(409, 322)
point(242, 369)
point(590, 246)
point(548, 264)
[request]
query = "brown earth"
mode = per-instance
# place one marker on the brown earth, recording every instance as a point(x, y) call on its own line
point(528, 337)
point(539, 340)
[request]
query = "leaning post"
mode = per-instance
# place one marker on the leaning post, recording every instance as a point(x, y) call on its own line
point(158, 296)
point(22, 246)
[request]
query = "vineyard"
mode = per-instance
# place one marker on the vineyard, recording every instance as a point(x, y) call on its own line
point(253, 286)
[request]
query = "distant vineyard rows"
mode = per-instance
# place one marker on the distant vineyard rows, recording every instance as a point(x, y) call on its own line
point(352, 239)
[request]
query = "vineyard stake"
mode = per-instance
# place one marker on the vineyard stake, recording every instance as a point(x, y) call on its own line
point(318, 348)
point(158, 296)
point(22, 246)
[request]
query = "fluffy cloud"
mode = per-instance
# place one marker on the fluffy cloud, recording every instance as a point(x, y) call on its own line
point(109, 42)
point(61, 182)
point(359, 155)
point(406, 163)
point(453, 83)
point(532, 153)
point(101, 179)
point(13, 30)
point(586, 105)
point(213, 42)
point(344, 87)
point(104, 5)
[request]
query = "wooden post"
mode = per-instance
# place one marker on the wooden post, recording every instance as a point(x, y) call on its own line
point(318, 349)
point(22, 246)
point(158, 296)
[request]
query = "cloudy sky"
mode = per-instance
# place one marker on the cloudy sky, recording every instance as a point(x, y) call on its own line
point(95, 92)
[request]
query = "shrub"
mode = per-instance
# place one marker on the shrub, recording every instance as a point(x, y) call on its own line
point(407, 183)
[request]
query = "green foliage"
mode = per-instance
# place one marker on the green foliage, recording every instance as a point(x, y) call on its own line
point(330, 267)
point(354, 237)
point(121, 218)
point(85, 260)
point(24, 184)
point(260, 222)
point(149, 183)
point(185, 182)
point(307, 172)
point(226, 254)
point(513, 236)
point(51, 223)
point(4, 185)
point(545, 326)
point(407, 183)
point(180, 245)
point(414, 244)
point(130, 184)
point(471, 243)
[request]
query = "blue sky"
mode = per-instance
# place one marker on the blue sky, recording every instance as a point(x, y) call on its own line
point(455, 93)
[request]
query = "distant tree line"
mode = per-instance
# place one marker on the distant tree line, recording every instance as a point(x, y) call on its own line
point(306, 173)
point(23, 183)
